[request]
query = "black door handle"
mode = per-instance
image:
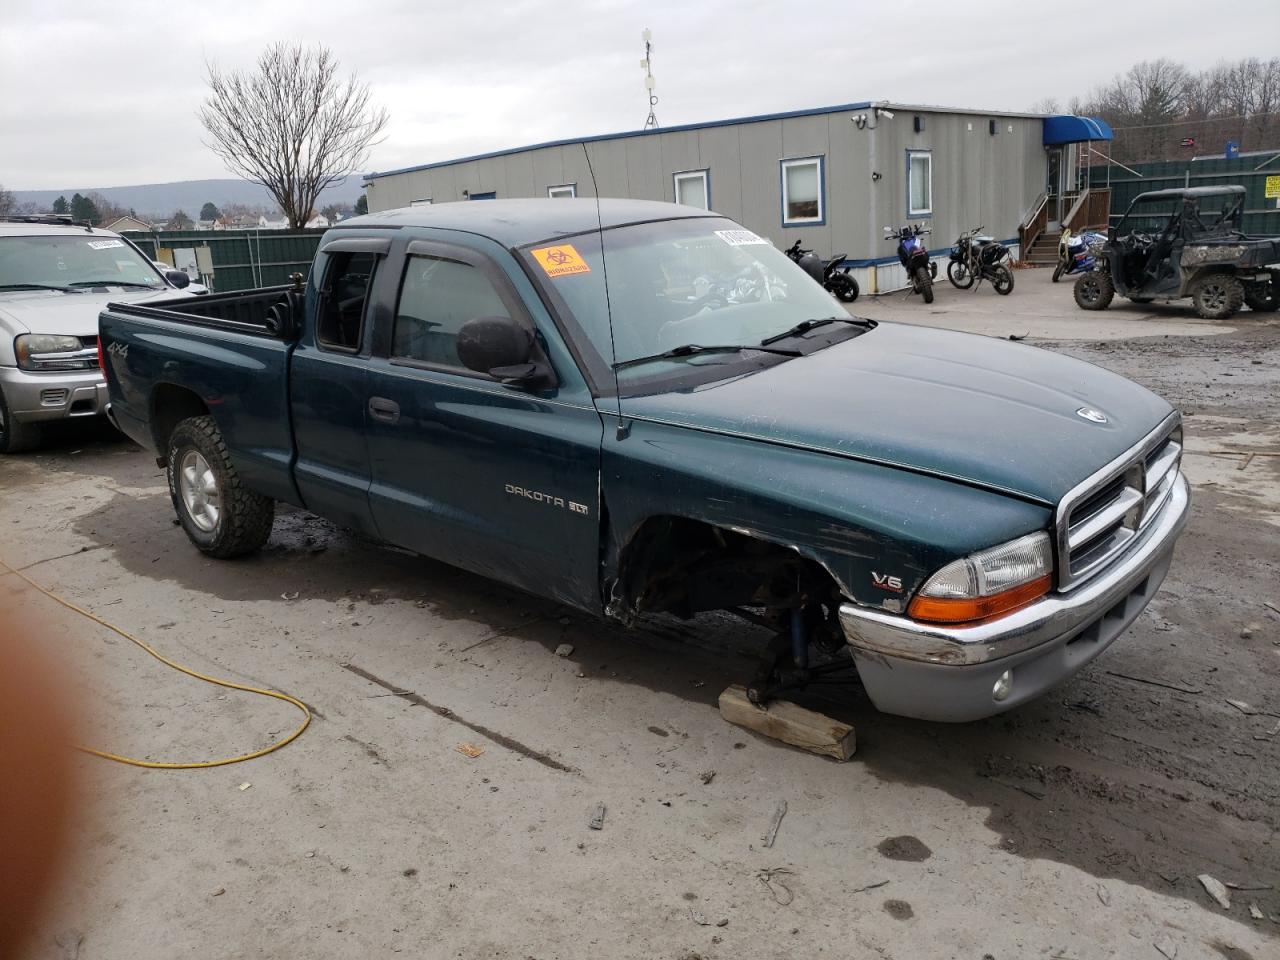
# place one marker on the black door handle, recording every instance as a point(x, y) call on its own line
point(380, 408)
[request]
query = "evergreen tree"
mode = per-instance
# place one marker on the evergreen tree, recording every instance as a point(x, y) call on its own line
point(362, 205)
point(209, 212)
point(60, 206)
point(84, 210)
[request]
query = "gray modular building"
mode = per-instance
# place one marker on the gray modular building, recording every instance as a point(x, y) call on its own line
point(831, 177)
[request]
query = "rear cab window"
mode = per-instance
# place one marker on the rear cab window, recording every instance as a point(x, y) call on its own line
point(344, 296)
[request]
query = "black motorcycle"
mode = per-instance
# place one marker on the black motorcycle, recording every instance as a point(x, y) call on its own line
point(834, 278)
point(914, 258)
point(976, 257)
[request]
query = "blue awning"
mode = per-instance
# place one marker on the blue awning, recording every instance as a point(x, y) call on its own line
point(1069, 129)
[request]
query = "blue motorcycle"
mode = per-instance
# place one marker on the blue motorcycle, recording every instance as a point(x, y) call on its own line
point(1077, 253)
point(914, 258)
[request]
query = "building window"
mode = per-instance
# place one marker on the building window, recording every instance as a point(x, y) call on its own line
point(802, 191)
point(919, 183)
point(420, 202)
point(563, 190)
point(693, 188)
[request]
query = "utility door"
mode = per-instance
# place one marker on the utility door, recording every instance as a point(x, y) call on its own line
point(328, 382)
point(497, 480)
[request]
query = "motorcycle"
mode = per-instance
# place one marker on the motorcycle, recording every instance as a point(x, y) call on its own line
point(834, 279)
point(976, 257)
point(1077, 253)
point(915, 258)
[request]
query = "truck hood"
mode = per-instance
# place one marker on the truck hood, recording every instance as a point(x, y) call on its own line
point(984, 411)
point(70, 314)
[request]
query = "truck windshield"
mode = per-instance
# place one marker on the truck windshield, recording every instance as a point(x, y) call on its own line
point(78, 261)
point(674, 283)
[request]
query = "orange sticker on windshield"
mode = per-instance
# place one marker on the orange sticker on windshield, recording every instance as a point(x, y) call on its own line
point(561, 261)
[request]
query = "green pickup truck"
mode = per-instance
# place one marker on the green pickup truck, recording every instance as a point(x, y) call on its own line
point(633, 407)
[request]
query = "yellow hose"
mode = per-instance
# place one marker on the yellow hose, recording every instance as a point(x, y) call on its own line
point(155, 764)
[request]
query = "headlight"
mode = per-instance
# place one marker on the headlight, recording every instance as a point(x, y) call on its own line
point(987, 583)
point(42, 351)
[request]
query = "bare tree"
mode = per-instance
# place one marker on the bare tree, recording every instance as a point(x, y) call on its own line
point(1046, 105)
point(292, 124)
point(7, 202)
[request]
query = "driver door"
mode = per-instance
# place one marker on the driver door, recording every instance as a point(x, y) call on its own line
point(498, 480)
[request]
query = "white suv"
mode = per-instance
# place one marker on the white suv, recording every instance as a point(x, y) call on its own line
point(55, 278)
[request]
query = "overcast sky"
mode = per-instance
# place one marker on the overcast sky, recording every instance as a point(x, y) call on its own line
point(104, 94)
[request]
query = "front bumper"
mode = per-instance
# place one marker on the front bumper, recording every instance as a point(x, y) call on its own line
point(53, 396)
point(948, 674)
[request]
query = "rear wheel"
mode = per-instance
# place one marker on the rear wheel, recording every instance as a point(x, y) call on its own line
point(959, 275)
point(1002, 280)
point(924, 283)
point(844, 287)
point(1094, 291)
point(1217, 296)
point(220, 516)
point(15, 436)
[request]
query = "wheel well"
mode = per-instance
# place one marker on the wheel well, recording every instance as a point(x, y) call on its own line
point(170, 405)
point(685, 566)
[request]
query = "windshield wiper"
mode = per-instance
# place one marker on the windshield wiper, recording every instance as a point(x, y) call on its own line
point(34, 286)
point(804, 326)
point(690, 349)
point(114, 283)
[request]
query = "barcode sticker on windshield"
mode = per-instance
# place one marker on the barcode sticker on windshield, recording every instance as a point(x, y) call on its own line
point(560, 261)
point(105, 244)
point(739, 238)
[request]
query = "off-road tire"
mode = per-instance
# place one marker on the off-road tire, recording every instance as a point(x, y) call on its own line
point(1002, 280)
point(245, 518)
point(925, 284)
point(14, 436)
point(1217, 296)
point(1094, 290)
point(1058, 271)
point(955, 267)
point(1264, 298)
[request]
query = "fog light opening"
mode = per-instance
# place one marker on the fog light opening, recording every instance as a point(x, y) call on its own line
point(1003, 687)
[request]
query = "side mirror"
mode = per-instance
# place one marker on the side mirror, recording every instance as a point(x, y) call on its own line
point(178, 278)
point(503, 349)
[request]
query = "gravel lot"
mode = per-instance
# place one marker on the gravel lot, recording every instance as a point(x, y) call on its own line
point(1074, 827)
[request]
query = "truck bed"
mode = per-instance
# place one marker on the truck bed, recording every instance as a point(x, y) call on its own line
point(215, 355)
point(243, 311)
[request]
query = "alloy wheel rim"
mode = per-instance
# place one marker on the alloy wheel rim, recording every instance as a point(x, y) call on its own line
point(199, 489)
point(1214, 296)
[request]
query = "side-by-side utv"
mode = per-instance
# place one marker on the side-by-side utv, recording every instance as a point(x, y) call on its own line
point(1187, 242)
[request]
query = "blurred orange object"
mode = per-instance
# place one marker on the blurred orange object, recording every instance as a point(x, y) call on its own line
point(38, 796)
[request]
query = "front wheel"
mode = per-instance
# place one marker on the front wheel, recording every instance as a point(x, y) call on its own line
point(1094, 290)
point(1217, 296)
point(844, 287)
point(959, 275)
point(1002, 280)
point(1058, 271)
point(924, 283)
point(221, 516)
point(15, 436)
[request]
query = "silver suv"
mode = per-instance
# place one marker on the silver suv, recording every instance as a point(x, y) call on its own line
point(55, 278)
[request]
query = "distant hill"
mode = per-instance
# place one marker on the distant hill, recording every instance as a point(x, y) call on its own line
point(163, 199)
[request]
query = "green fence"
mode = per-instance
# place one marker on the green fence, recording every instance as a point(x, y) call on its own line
point(242, 259)
point(1261, 215)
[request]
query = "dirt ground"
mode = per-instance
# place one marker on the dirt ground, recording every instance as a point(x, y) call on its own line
point(1074, 827)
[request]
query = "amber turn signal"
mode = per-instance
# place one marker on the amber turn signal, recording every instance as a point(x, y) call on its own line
point(970, 609)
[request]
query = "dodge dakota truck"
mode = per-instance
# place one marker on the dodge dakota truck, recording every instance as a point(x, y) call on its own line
point(633, 407)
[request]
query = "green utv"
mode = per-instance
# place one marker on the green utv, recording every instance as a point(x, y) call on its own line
point(1186, 242)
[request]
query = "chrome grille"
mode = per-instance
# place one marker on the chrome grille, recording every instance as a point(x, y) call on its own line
point(1099, 518)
